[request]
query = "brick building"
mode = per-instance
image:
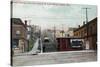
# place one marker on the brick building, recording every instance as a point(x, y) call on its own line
point(19, 34)
point(89, 33)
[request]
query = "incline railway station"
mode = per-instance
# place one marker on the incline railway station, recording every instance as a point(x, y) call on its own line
point(64, 44)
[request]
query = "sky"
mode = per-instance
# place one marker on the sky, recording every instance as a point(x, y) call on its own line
point(48, 16)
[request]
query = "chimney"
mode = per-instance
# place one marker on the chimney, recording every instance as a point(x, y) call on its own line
point(83, 22)
point(78, 26)
point(25, 22)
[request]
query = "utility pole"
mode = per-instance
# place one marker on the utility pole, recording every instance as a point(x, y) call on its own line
point(54, 32)
point(62, 30)
point(87, 42)
point(86, 10)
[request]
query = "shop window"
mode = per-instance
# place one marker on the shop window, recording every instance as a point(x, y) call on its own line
point(15, 43)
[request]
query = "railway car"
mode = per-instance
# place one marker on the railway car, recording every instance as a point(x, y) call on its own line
point(69, 43)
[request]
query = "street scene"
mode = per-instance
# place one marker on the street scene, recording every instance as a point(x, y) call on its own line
point(55, 58)
point(52, 33)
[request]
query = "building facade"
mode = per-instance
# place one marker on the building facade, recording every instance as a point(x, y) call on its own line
point(19, 34)
point(70, 31)
point(89, 33)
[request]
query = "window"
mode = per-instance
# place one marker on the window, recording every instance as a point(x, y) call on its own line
point(90, 30)
point(81, 33)
point(18, 33)
point(76, 43)
point(46, 40)
point(15, 43)
point(85, 32)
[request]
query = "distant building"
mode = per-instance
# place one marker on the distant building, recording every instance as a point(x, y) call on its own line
point(70, 31)
point(19, 34)
point(89, 33)
point(37, 30)
point(57, 33)
point(60, 33)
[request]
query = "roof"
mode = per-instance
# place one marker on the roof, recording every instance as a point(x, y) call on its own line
point(72, 29)
point(95, 19)
point(17, 21)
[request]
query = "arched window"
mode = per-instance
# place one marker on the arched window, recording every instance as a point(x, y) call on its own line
point(18, 33)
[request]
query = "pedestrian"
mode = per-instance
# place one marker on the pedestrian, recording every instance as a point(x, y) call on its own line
point(43, 48)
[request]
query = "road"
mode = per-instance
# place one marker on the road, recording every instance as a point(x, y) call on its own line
point(55, 58)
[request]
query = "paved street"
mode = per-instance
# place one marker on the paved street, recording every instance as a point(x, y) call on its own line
point(55, 58)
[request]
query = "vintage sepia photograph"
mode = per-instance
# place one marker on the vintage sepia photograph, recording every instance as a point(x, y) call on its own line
point(45, 33)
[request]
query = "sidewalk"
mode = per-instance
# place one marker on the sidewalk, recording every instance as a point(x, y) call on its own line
point(62, 52)
point(69, 51)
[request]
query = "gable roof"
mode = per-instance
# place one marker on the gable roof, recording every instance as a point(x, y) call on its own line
point(17, 21)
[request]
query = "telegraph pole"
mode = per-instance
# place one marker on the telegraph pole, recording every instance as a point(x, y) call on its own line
point(87, 42)
point(62, 30)
point(86, 9)
point(54, 32)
